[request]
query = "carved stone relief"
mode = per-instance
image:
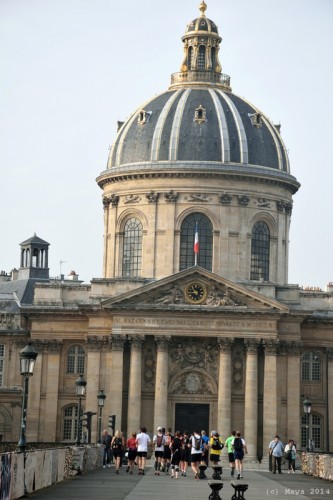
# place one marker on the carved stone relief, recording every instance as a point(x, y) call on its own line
point(149, 368)
point(131, 198)
point(192, 383)
point(171, 196)
point(238, 369)
point(243, 200)
point(152, 197)
point(198, 197)
point(225, 198)
point(193, 354)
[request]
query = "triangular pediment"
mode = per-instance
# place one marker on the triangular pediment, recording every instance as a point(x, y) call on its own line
point(194, 288)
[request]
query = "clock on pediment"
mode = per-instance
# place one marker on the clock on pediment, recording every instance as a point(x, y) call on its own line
point(195, 292)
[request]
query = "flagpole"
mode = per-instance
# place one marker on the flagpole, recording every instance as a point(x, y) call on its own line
point(196, 244)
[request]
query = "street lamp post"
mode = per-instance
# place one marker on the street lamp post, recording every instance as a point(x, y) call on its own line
point(80, 388)
point(101, 398)
point(307, 404)
point(28, 357)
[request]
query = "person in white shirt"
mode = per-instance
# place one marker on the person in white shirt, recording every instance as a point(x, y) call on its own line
point(142, 442)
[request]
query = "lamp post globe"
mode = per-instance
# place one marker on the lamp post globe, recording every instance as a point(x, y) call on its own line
point(101, 399)
point(80, 389)
point(28, 357)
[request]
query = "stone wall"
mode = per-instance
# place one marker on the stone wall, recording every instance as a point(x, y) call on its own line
point(44, 467)
point(318, 465)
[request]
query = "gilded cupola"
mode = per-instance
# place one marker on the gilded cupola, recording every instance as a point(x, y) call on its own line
point(201, 64)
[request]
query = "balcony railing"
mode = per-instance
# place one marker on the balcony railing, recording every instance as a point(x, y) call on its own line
point(201, 77)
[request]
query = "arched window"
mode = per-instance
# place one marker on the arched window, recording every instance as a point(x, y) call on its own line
point(213, 58)
point(202, 58)
point(311, 367)
point(260, 246)
point(76, 359)
point(190, 58)
point(70, 423)
point(311, 431)
point(132, 248)
point(205, 233)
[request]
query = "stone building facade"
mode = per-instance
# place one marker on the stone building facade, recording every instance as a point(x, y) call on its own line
point(222, 341)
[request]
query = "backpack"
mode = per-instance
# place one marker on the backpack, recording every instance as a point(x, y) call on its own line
point(159, 440)
point(217, 445)
point(197, 443)
point(238, 445)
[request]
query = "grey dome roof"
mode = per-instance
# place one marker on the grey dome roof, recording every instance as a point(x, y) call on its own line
point(203, 124)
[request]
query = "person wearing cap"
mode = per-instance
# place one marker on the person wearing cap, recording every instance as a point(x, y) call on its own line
point(158, 441)
point(215, 446)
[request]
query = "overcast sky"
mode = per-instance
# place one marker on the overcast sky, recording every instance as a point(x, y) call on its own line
point(71, 68)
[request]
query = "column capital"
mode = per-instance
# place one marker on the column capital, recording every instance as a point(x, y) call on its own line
point(292, 347)
point(52, 346)
point(117, 342)
point(251, 345)
point(271, 346)
point(95, 343)
point(163, 342)
point(329, 352)
point(225, 344)
point(136, 341)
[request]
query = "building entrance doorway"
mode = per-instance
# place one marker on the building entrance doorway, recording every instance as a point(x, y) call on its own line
point(192, 416)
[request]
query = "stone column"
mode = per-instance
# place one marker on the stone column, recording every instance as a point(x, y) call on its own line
point(270, 393)
point(224, 386)
point(251, 399)
point(50, 417)
point(293, 350)
point(134, 389)
point(116, 376)
point(161, 382)
point(94, 347)
point(329, 427)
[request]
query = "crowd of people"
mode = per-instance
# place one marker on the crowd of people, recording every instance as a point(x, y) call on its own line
point(175, 454)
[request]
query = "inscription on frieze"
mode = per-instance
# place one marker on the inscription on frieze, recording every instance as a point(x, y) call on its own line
point(151, 322)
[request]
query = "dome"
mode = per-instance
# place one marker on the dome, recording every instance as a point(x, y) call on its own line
point(197, 152)
point(199, 125)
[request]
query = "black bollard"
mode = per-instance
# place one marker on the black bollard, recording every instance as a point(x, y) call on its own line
point(239, 488)
point(216, 486)
point(202, 468)
point(217, 472)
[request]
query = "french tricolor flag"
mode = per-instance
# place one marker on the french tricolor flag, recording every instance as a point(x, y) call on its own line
point(196, 240)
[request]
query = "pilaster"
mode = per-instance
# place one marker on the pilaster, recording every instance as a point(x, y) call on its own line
point(329, 354)
point(94, 348)
point(51, 352)
point(135, 381)
point(116, 377)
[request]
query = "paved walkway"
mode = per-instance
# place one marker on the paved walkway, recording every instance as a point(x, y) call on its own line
point(105, 484)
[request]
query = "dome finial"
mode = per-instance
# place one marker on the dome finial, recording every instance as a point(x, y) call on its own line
point(202, 8)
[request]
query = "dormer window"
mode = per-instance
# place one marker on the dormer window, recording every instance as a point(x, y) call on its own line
point(144, 116)
point(200, 115)
point(256, 119)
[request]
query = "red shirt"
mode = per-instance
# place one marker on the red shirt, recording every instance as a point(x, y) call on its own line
point(131, 443)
